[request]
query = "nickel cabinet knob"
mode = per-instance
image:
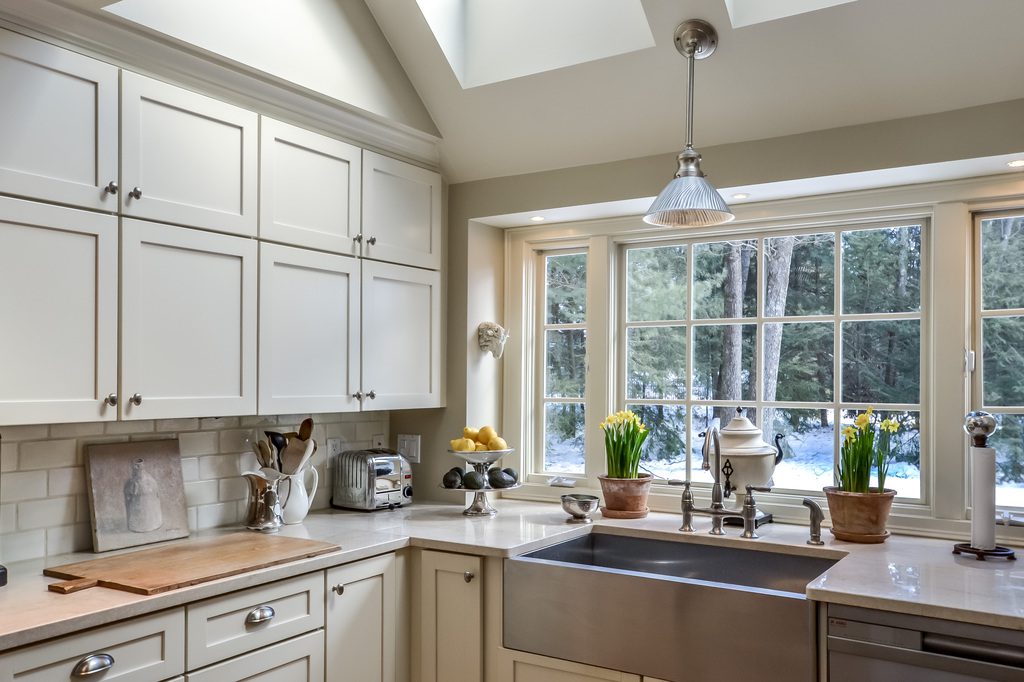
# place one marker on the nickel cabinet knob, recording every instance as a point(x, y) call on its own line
point(372, 395)
point(111, 187)
point(136, 399)
point(136, 193)
point(338, 589)
point(371, 241)
point(468, 576)
point(110, 400)
point(358, 395)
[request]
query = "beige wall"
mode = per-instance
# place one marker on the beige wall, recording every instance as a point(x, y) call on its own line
point(473, 393)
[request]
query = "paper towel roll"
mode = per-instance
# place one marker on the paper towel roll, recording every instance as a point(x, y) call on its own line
point(983, 498)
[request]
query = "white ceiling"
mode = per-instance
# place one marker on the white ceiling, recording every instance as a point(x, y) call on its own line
point(853, 63)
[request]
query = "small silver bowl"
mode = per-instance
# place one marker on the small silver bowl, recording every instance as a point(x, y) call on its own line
point(580, 507)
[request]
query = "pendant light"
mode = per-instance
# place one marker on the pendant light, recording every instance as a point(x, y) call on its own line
point(689, 200)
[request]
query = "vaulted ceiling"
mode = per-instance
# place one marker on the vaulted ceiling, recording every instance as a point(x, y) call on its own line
point(856, 62)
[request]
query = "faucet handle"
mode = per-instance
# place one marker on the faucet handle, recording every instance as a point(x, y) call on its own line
point(758, 488)
point(677, 481)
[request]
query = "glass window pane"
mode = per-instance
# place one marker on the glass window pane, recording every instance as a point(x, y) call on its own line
point(882, 361)
point(563, 437)
point(566, 362)
point(1002, 263)
point(656, 363)
point(798, 362)
point(723, 361)
point(566, 291)
point(1008, 440)
point(882, 270)
point(905, 467)
point(808, 447)
point(725, 279)
point(799, 274)
point(664, 452)
point(656, 284)
point(1003, 343)
point(703, 416)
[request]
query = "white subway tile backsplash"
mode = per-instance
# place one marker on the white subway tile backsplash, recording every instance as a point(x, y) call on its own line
point(53, 511)
point(68, 481)
point(201, 492)
point(76, 430)
point(126, 428)
point(198, 443)
point(219, 466)
point(13, 433)
point(23, 546)
point(23, 485)
point(45, 503)
point(367, 430)
point(47, 454)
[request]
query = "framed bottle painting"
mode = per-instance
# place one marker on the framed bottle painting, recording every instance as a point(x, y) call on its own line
point(136, 493)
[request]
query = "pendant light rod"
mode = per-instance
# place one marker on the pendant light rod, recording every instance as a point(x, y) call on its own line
point(689, 102)
point(694, 39)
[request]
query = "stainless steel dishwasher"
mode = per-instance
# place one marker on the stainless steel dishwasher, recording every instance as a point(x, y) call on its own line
point(864, 644)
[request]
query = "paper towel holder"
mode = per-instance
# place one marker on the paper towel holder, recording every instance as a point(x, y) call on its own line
point(979, 426)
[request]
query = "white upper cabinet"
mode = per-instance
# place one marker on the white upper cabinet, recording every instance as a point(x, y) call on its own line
point(58, 349)
point(58, 124)
point(188, 327)
point(309, 331)
point(309, 188)
point(401, 212)
point(186, 158)
point(401, 337)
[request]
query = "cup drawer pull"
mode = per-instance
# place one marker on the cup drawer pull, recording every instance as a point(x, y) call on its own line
point(93, 664)
point(260, 614)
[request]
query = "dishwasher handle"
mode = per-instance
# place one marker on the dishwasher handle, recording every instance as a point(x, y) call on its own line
point(972, 649)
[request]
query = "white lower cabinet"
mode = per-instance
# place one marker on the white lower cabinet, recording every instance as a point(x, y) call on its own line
point(294, 660)
point(188, 322)
point(145, 649)
point(58, 347)
point(531, 668)
point(362, 621)
point(448, 628)
point(401, 360)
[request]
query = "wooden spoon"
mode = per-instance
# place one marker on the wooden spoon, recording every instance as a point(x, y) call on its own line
point(295, 455)
point(279, 442)
point(306, 429)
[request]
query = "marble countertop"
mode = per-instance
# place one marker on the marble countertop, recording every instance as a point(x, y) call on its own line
point(912, 575)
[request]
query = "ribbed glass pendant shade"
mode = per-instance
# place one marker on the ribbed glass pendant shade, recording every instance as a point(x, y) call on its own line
point(689, 202)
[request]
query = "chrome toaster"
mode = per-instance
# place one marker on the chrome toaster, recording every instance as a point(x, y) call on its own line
point(371, 479)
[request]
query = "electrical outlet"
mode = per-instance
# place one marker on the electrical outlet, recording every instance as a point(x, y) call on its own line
point(409, 446)
point(380, 440)
point(333, 447)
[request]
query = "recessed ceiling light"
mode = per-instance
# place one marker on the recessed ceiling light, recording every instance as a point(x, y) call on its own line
point(1016, 163)
point(741, 195)
point(537, 218)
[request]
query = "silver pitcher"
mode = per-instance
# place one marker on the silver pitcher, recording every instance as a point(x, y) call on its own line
point(264, 512)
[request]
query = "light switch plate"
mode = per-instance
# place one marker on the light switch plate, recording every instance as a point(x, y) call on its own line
point(380, 440)
point(409, 446)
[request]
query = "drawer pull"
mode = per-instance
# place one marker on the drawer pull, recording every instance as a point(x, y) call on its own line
point(339, 589)
point(93, 664)
point(468, 576)
point(260, 614)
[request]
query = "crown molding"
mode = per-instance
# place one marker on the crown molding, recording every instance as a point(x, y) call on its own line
point(153, 54)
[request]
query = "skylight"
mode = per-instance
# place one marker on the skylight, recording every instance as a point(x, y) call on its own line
point(497, 40)
point(750, 12)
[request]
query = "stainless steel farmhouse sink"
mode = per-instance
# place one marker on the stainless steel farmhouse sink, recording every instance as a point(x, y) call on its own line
point(679, 611)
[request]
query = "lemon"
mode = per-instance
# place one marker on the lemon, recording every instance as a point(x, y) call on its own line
point(480, 447)
point(486, 434)
point(471, 433)
point(497, 443)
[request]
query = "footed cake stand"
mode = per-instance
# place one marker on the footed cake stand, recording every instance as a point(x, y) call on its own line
point(481, 462)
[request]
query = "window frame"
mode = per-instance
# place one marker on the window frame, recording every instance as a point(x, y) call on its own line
point(949, 206)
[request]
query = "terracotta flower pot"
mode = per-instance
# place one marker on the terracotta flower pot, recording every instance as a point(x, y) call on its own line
point(625, 498)
point(859, 517)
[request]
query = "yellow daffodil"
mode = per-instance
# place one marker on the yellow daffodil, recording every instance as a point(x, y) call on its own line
point(890, 425)
point(849, 433)
point(862, 421)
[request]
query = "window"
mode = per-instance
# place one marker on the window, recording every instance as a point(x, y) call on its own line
point(999, 330)
point(562, 353)
point(764, 323)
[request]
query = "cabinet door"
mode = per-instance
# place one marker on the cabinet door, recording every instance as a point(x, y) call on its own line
point(401, 337)
point(188, 329)
point(401, 212)
point(294, 660)
point(309, 188)
point(362, 621)
point(58, 348)
point(451, 618)
point(531, 668)
point(58, 124)
point(309, 337)
point(189, 159)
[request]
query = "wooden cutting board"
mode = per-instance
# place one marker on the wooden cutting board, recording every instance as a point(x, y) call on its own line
point(161, 569)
